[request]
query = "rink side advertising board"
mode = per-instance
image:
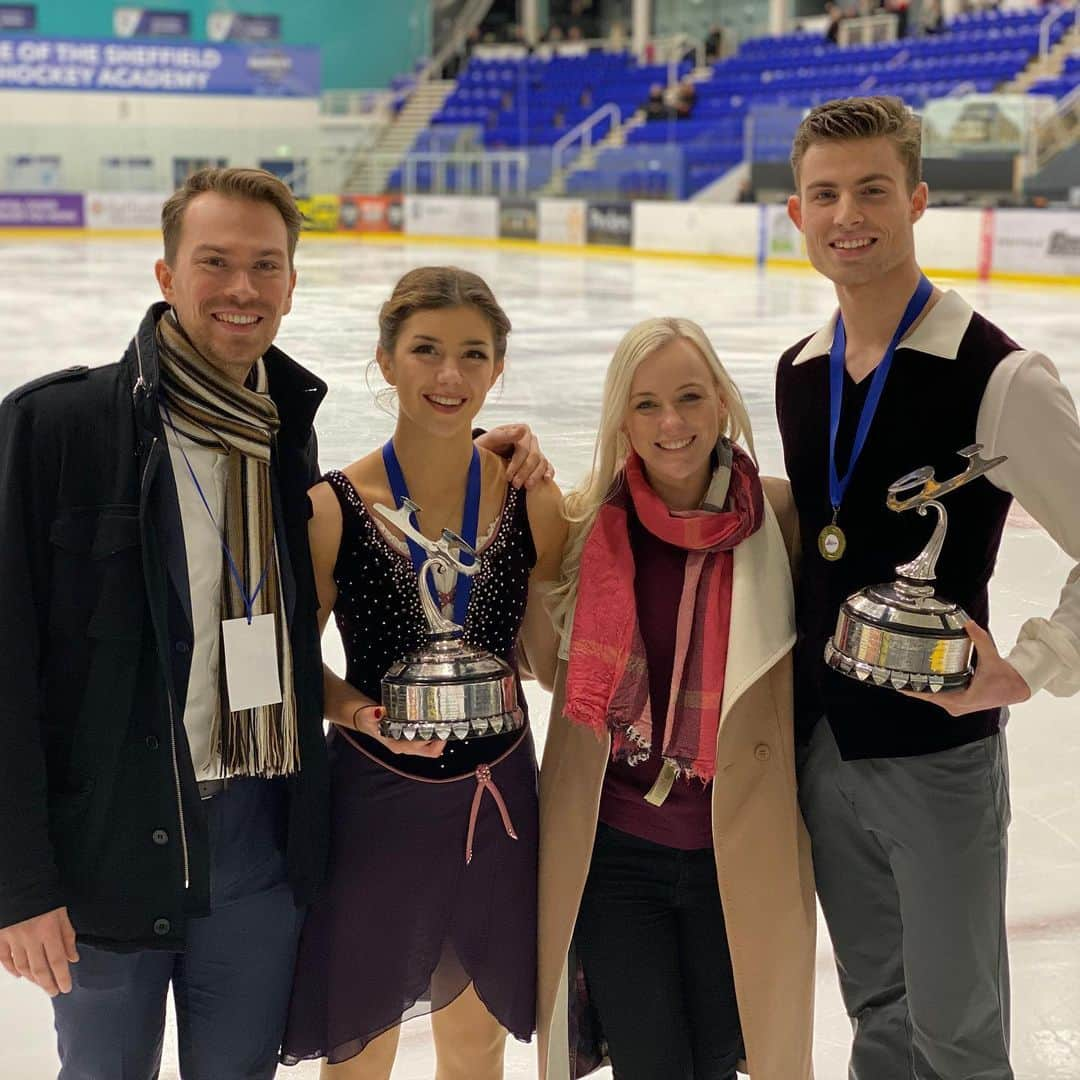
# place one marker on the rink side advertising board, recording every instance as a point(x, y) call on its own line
point(519, 219)
point(475, 217)
point(561, 221)
point(1036, 242)
point(124, 209)
point(15, 17)
point(321, 212)
point(733, 232)
point(31, 63)
point(41, 210)
point(609, 223)
point(370, 213)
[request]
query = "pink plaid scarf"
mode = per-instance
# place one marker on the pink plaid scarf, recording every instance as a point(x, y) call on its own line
point(607, 684)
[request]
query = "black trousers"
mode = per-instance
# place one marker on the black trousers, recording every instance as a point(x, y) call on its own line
point(231, 983)
point(652, 942)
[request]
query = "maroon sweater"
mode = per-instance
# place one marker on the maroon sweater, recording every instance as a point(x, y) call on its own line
point(685, 819)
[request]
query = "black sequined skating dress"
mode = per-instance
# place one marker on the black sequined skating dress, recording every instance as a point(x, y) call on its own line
point(404, 923)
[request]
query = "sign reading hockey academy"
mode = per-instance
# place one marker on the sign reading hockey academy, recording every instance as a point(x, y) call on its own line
point(28, 63)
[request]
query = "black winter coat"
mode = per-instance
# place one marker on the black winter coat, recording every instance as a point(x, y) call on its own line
point(99, 809)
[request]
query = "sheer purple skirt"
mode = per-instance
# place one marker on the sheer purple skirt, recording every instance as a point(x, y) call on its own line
point(404, 923)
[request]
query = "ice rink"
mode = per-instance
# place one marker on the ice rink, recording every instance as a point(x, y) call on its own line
point(79, 302)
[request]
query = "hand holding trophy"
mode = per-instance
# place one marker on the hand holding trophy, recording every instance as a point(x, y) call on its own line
point(446, 689)
point(901, 634)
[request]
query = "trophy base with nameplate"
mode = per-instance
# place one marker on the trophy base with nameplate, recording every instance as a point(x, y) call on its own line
point(901, 634)
point(446, 689)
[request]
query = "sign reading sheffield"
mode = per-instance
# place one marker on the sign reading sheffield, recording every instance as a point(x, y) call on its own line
point(133, 67)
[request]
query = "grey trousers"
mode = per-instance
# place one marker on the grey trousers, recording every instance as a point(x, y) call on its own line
point(910, 858)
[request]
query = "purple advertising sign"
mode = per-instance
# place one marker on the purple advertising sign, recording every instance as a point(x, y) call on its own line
point(41, 210)
point(28, 63)
point(134, 22)
point(18, 16)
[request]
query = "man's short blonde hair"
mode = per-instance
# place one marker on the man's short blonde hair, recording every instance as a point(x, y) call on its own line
point(255, 185)
point(863, 118)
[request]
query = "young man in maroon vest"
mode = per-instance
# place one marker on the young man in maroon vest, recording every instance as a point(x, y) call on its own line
point(906, 796)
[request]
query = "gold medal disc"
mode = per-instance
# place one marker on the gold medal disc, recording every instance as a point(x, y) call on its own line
point(831, 542)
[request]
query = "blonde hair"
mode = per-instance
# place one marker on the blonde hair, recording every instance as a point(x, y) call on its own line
point(612, 446)
point(863, 118)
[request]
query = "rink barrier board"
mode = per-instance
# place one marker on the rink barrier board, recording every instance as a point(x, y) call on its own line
point(540, 247)
point(1016, 245)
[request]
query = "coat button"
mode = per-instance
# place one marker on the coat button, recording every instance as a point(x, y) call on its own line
point(762, 752)
point(160, 837)
point(152, 742)
point(162, 927)
point(182, 647)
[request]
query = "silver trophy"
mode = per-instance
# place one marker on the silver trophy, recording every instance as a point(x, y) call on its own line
point(446, 689)
point(901, 634)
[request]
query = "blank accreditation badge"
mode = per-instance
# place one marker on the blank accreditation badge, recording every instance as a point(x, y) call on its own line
point(251, 662)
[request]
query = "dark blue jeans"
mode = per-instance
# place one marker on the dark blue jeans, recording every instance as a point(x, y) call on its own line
point(231, 984)
point(652, 942)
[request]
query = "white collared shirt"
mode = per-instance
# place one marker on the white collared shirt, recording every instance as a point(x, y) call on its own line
point(1028, 415)
point(205, 560)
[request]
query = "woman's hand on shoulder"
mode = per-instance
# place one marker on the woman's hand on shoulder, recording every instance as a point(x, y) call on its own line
point(527, 466)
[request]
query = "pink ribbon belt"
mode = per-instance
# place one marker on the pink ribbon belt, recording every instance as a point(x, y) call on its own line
point(485, 783)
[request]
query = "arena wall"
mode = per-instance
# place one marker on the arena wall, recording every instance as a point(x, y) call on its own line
point(1014, 244)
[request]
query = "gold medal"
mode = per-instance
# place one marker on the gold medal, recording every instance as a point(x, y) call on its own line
point(831, 542)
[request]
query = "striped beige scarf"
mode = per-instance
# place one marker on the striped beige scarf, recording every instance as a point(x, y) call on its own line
point(212, 410)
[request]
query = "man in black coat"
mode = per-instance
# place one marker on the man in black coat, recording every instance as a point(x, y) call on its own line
point(121, 820)
point(164, 807)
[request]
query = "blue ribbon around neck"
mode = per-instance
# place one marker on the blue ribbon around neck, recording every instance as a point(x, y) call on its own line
point(470, 523)
point(249, 601)
point(839, 484)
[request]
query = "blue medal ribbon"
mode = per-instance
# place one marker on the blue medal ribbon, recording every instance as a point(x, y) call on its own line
point(839, 484)
point(249, 601)
point(470, 523)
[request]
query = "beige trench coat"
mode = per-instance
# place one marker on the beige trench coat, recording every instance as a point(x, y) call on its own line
point(762, 849)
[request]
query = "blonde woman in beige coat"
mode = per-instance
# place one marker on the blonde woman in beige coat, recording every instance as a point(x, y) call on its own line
point(707, 766)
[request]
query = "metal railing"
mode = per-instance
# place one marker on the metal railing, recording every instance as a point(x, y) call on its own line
point(1057, 132)
point(374, 104)
point(868, 29)
point(1046, 28)
point(489, 173)
point(665, 49)
point(584, 132)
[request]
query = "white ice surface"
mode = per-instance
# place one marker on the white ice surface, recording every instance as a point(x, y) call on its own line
point(78, 302)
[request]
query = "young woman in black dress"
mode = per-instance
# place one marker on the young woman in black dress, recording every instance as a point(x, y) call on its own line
point(430, 904)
